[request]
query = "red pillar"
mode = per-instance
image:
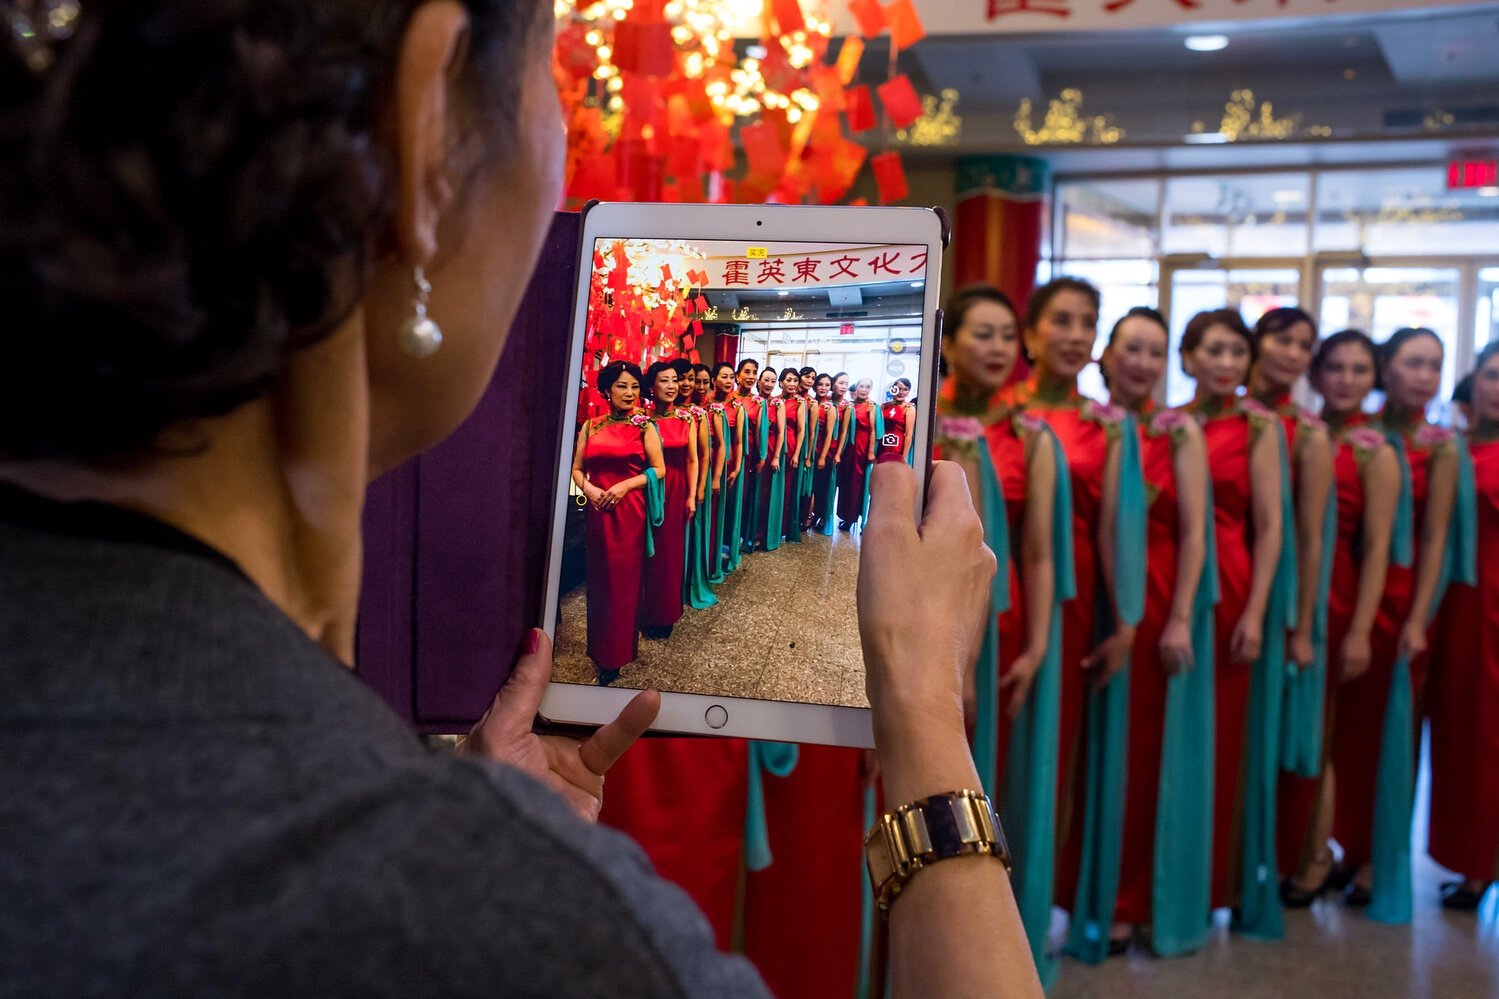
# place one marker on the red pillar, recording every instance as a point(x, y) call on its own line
point(999, 223)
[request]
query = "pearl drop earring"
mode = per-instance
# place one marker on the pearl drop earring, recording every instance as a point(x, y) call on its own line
point(420, 336)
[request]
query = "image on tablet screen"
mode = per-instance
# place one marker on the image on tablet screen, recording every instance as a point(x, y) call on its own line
point(732, 400)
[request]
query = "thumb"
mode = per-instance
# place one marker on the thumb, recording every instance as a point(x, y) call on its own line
point(516, 702)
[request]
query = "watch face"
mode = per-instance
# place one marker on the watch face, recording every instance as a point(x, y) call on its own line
point(877, 857)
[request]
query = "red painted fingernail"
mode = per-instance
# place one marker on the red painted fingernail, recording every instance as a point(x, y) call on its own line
point(533, 641)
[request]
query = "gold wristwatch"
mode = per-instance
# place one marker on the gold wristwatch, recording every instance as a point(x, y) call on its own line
point(902, 842)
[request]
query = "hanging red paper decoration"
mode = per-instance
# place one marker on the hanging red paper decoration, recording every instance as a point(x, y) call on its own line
point(905, 26)
point(900, 100)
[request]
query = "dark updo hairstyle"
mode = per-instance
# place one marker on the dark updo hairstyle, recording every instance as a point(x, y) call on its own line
point(961, 303)
point(701, 367)
point(1488, 353)
point(1341, 338)
point(651, 374)
point(682, 366)
point(747, 362)
point(1462, 394)
point(193, 189)
point(610, 373)
point(781, 377)
point(720, 366)
point(808, 370)
point(1390, 347)
point(1137, 312)
point(820, 377)
point(1036, 306)
point(1198, 326)
point(1279, 320)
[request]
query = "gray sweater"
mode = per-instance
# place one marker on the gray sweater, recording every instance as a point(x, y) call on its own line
point(195, 800)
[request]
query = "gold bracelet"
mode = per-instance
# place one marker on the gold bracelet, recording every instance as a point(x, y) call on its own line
point(902, 842)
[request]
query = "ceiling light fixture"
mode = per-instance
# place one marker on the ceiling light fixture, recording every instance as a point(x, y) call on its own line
point(1488, 192)
point(1205, 138)
point(1206, 43)
point(917, 284)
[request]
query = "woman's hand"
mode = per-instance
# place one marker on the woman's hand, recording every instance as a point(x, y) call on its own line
point(1247, 639)
point(1017, 680)
point(691, 505)
point(1357, 654)
point(702, 494)
point(1299, 648)
point(1412, 640)
point(593, 494)
point(1111, 655)
point(1176, 647)
point(717, 485)
point(822, 462)
point(573, 768)
point(609, 498)
point(923, 593)
point(775, 463)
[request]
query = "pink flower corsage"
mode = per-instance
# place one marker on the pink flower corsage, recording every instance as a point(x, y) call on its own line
point(1364, 438)
point(1431, 435)
point(1254, 407)
point(682, 414)
point(959, 428)
point(699, 412)
point(716, 407)
point(641, 420)
point(1031, 422)
point(1164, 421)
point(1103, 412)
point(1310, 420)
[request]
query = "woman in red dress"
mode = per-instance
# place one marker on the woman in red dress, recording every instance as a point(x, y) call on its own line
point(1173, 459)
point(745, 377)
point(661, 601)
point(1243, 446)
point(898, 418)
point(610, 463)
point(796, 415)
point(858, 454)
point(1410, 373)
point(980, 346)
point(1464, 698)
point(1366, 479)
point(1284, 340)
point(1060, 328)
point(727, 419)
point(772, 468)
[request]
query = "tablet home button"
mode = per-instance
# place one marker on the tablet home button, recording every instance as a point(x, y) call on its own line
point(716, 716)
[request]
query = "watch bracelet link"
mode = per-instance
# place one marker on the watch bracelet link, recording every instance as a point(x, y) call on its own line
point(956, 824)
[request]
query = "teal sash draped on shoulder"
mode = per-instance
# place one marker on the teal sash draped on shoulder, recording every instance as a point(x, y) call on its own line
point(655, 509)
point(830, 511)
point(1181, 889)
point(1259, 912)
point(695, 590)
point(735, 519)
point(1028, 799)
point(1306, 689)
point(986, 675)
point(1390, 894)
point(719, 505)
point(1106, 733)
point(777, 759)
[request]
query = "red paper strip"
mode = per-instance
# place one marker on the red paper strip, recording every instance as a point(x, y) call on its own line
point(789, 16)
point(828, 88)
point(860, 109)
point(905, 26)
point(848, 58)
point(900, 100)
point(889, 177)
point(644, 47)
point(595, 177)
point(764, 152)
point(869, 14)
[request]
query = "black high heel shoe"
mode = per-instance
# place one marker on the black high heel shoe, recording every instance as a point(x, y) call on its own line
point(1294, 897)
point(1357, 896)
point(1459, 898)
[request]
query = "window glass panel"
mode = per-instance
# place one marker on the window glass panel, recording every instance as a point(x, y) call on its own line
point(1113, 218)
point(1123, 284)
point(1403, 212)
point(1239, 215)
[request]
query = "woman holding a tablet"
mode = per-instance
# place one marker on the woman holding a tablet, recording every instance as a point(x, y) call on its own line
point(1245, 455)
point(665, 571)
point(1173, 652)
point(612, 464)
point(195, 400)
point(1366, 480)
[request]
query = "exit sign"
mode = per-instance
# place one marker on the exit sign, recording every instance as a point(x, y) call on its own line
point(847, 329)
point(1465, 174)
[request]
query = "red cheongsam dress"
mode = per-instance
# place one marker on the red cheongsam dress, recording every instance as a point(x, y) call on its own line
point(661, 602)
point(614, 452)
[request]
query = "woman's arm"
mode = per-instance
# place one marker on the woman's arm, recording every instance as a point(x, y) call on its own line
point(579, 478)
point(741, 433)
point(845, 426)
point(910, 432)
point(1439, 499)
point(1264, 489)
point(1381, 480)
point(654, 456)
point(721, 454)
point(1111, 655)
point(692, 461)
point(1189, 465)
point(705, 449)
point(1314, 475)
point(827, 445)
point(780, 419)
point(1037, 569)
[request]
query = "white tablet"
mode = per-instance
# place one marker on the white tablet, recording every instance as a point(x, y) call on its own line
point(735, 371)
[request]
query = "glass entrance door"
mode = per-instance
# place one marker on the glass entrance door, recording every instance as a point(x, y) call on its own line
point(1188, 288)
point(1381, 299)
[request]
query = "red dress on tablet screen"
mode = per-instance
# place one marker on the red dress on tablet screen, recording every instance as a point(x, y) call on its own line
point(892, 444)
point(661, 603)
point(614, 452)
point(855, 462)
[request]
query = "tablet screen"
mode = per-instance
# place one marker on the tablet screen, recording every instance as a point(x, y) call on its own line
point(732, 400)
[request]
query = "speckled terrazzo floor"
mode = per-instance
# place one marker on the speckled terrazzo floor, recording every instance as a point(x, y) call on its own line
point(801, 644)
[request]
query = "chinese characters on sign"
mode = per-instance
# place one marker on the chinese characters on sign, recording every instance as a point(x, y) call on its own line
point(847, 268)
point(996, 9)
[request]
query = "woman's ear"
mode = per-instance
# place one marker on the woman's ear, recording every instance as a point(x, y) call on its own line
point(434, 45)
point(1030, 345)
point(1187, 366)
